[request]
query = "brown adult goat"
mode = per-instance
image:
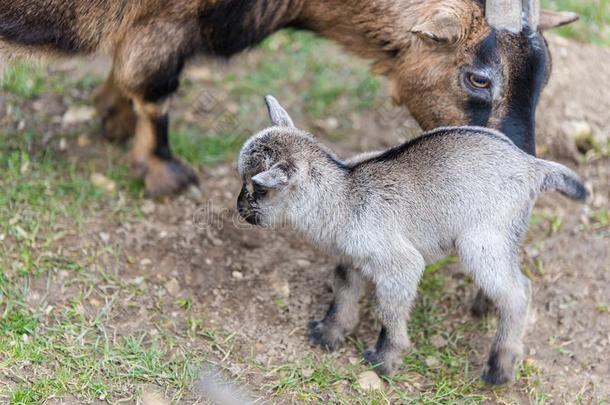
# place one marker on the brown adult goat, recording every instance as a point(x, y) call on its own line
point(446, 63)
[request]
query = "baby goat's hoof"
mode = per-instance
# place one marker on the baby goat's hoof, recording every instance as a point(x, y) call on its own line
point(381, 365)
point(323, 335)
point(495, 374)
point(495, 377)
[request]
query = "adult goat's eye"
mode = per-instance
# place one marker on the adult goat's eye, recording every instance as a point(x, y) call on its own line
point(478, 81)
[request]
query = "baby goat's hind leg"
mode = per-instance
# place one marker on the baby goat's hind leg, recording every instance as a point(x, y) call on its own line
point(343, 314)
point(493, 262)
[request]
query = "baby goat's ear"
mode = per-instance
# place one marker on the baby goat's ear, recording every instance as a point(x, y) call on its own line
point(278, 115)
point(274, 178)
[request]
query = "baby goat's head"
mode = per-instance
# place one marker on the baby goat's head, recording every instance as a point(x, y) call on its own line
point(272, 164)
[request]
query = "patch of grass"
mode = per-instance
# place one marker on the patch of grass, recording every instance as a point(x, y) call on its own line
point(206, 148)
point(60, 350)
point(594, 23)
point(29, 80)
point(325, 86)
point(23, 79)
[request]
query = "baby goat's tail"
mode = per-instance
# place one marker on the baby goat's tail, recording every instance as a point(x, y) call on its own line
point(557, 177)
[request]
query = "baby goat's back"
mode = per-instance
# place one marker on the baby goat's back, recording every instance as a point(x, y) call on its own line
point(444, 182)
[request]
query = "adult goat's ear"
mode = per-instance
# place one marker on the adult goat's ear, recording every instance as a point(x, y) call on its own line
point(279, 117)
point(444, 27)
point(274, 178)
point(553, 19)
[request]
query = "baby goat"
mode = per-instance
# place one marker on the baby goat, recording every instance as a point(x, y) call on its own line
point(463, 190)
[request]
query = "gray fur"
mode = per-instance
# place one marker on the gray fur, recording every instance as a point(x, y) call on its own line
point(466, 191)
point(278, 115)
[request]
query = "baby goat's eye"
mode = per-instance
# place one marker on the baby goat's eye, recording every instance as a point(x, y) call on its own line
point(478, 81)
point(258, 191)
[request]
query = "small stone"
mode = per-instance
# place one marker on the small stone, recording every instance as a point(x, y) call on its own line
point(580, 129)
point(369, 380)
point(162, 234)
point(172, 286)
point(328, 125)
point(151, 398)
point(303, 263)
point(80, 309)
point(63, 144)
point(148, 207)
point(307, 372)
point(238, 275)
point(438, 341)
point(341, 386)
point(76, 115)
point(199, 73)
point(83, 141)
point(195, 193)
point(529, 362)
point(138, 280)
point(145, 262)
point(332, 123)
point(282, 287)
point(353, 360)
point(431, 362)
point(25, 167)
point(104, 237)
point(103, 182)
point(232, 107)
point(95, 303)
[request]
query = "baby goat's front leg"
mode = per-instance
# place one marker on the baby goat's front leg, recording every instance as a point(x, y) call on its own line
point(396, 289)
point(342, 315)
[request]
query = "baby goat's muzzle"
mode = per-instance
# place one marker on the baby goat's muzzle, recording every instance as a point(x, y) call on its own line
point(245, 209)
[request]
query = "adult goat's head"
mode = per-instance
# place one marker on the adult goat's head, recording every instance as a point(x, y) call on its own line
point(474, 62)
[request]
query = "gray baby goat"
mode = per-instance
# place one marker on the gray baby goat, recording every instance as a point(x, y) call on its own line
point(463, 190)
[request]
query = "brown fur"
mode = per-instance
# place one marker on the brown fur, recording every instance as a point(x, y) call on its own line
point(417, 44)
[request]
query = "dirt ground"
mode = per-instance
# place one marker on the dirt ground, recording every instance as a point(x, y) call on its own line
point(260, 288)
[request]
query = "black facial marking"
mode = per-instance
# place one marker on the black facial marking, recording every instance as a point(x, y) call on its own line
point(39, 26)
point(162, 149)
point(245, 209)
point(232, 26)
point(528, 75)
point(479, 109)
